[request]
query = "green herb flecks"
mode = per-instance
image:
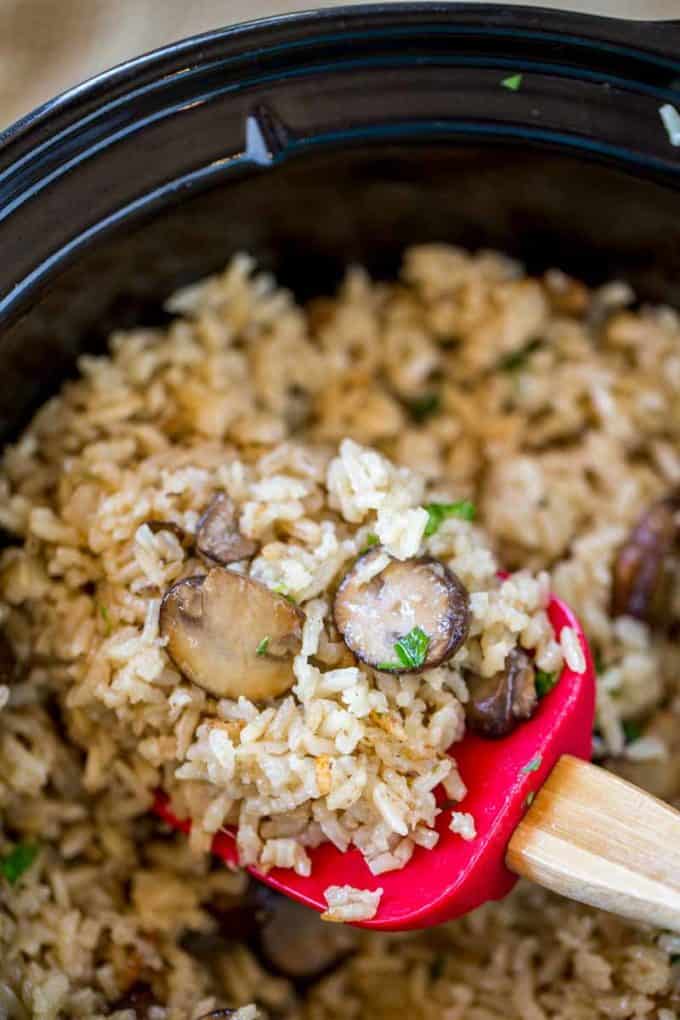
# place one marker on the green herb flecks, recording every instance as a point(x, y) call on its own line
point(19, 860)
point(533, 765)
point(544, 682)
point(517, 360)
point(437, 513)
point(631, 730)
point(371, 540)
point(422, 408)
point(281, 590)
point(598, 662)
point(512, 83)
point(529, 799)
point(104, 613)
point(262, 647)
point(411, 651)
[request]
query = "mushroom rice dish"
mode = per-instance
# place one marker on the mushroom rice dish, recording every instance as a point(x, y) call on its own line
point(275, 560)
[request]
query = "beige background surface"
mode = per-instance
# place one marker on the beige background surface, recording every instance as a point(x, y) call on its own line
point(48, 45)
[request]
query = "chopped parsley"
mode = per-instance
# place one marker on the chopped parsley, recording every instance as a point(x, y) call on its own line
point(262, 647)
point(513, 82)
point(280, 589)
point(598, 662)
point(371, 540)
point(19, 860)
point(104, 613)
point(422, 408)
point(437, 513)
point(529, 799)
point(631, 730)
point(544, 682)
point(411, 651)
point(516, 360)
point(533, 765)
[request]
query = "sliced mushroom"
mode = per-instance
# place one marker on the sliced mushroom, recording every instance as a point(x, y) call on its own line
point(218, 538)
point(289, 940)
point(231, 635)
point(373, 613)
point(295, 943)
point(642, 576)
point(498, 704)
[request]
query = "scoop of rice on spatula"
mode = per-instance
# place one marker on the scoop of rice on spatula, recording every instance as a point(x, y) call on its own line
point(540, 810)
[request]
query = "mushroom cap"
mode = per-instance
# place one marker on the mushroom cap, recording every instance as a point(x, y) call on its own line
point(499, 703)
point(216, 626)
point(375, 611)
point(218, 538)
point(642, 576)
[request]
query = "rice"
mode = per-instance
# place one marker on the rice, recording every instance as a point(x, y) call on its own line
point(335, 743)
point(348, 904)
point(572, 651)
point(463, 824)
point(551, 407)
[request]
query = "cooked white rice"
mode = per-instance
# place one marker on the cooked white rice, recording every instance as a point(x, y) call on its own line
point(556, 412)
point(345, 903)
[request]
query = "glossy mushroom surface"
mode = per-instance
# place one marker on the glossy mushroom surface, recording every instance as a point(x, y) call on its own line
point(231, 635)
point(643, 574)
point(374, 612)
point(498, 704)
point(218, 538)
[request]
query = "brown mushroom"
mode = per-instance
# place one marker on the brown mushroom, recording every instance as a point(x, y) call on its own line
point(231, 635)
point(218, 538)
point(499, 703)
point(419, 596)
point(642, 576)
point(288, 939)
point(295, 943)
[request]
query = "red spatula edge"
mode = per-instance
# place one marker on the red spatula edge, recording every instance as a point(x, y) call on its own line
point(457, 875)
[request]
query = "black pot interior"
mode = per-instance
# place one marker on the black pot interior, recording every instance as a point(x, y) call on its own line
point(361, 197)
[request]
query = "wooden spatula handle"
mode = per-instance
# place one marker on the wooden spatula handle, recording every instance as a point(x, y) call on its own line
point(596, 838)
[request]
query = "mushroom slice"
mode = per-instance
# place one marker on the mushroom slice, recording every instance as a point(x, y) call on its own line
point(288, 939)
point(642, 575)
point(375, 612)
point(231, 635)
point(218, 538)
point(498, 704)
point(295, 943)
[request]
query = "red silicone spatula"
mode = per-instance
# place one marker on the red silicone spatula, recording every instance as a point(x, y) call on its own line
point(540, 811)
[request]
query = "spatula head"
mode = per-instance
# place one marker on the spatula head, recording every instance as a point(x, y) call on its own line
point(501, 776)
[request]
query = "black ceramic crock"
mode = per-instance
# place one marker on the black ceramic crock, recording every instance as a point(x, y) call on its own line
point(330, 137)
